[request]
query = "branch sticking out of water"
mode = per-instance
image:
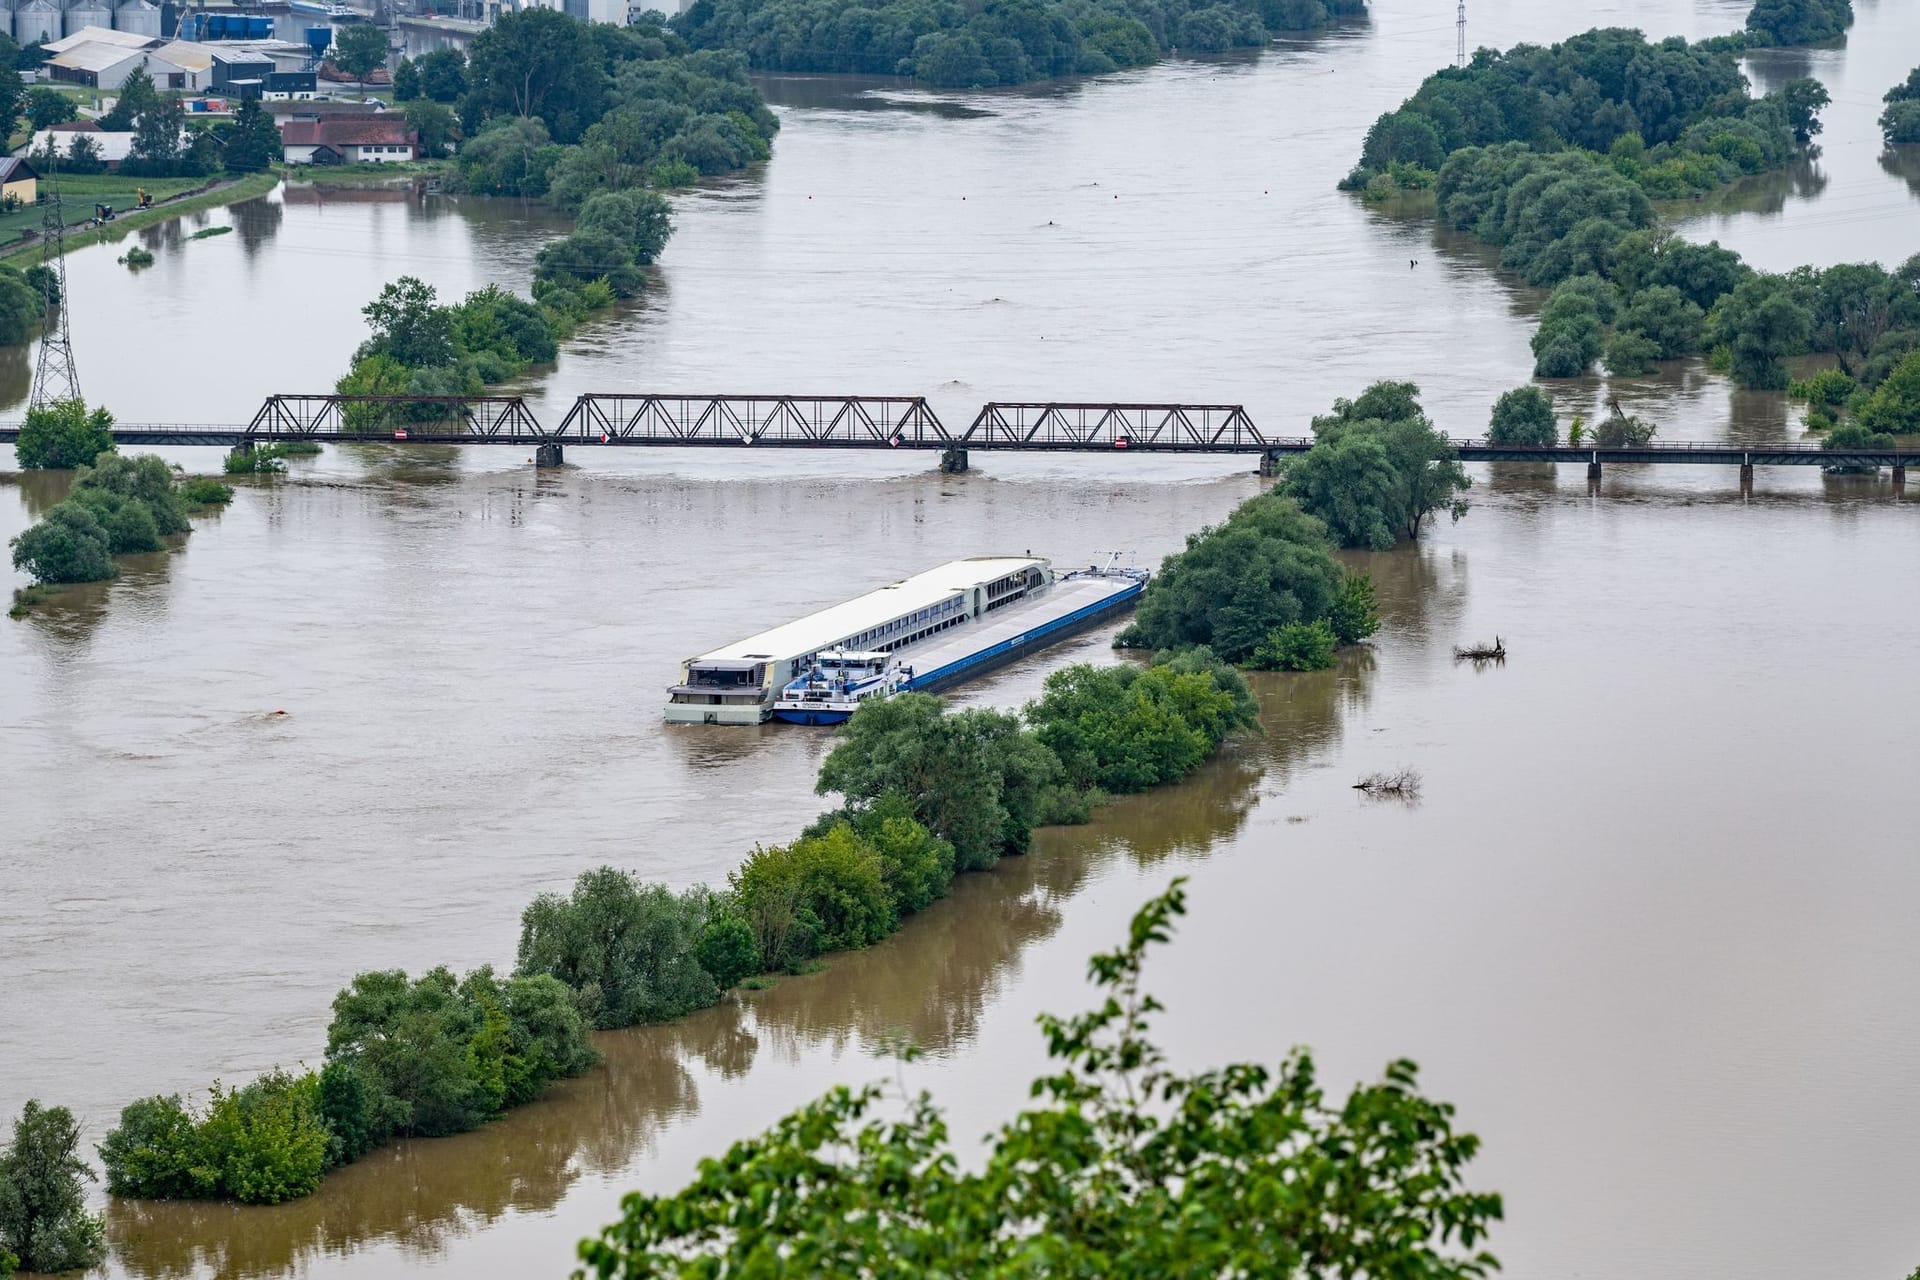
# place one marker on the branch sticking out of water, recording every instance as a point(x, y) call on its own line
point(1482, 652)
point(1403, 784)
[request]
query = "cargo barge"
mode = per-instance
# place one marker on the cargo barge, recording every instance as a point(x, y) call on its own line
point(939, 628)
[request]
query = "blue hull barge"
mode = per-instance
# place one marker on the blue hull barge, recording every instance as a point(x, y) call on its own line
point(931, 631)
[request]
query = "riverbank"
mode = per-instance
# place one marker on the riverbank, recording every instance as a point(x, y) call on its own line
point(225, 191)
point(363, 175)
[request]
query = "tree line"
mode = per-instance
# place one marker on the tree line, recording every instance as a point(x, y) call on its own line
point(1004, 42)
point(1668, 118)
point(926, 793)
point(1900, 122)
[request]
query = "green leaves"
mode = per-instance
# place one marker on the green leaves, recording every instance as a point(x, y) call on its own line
point(1121, 1168)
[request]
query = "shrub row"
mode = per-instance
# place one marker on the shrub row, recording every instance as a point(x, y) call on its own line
point(926, 792)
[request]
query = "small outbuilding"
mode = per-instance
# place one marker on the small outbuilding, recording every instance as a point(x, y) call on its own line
point(19, 183)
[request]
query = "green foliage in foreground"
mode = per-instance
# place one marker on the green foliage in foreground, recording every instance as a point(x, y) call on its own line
point(64, 435)
point(1122, 1167)
point(44, 1224)
point(1377, 470)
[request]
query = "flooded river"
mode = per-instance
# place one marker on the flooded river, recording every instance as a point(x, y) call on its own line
point(1652, 926)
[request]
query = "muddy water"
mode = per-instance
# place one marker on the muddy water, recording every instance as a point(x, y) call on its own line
point(1650, 926)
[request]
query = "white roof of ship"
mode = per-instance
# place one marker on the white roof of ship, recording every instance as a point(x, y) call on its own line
point(829, 627)
point(100, 35)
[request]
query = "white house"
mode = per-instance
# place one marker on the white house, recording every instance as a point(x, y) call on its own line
point(384, 139)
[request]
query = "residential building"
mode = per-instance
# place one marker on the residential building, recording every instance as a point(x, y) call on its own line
point(113, 146)
point(384, 139)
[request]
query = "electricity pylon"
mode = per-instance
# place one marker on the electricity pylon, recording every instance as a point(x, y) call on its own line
point(54, 378)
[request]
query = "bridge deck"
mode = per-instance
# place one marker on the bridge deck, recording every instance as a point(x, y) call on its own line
point(876, 422)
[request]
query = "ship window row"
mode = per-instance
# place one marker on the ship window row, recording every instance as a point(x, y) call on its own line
point(910, 627)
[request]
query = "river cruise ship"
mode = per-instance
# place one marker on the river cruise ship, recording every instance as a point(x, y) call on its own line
point(941, 627)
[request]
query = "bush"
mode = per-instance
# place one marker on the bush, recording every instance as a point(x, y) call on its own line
point(1827, 389)
point(43, 1217)
point(1300, 646)
point(974, 778)
point(144, 479)
point(728, 951)
point(1900, 123)
point(627, 951)
point(63, 435)
point(820, 893)
point(1354, 616)
point(205, 491)
point(1618, 432)
point(154, 1152)
point(1894, 406)
point(136, 258)
point(441, 1055)
point(916, 865)
point(1523, 415)
point(1631, 354)
point(68, 545)
point(266, 1142)
point(1120, 729)
point(1267, 565)
point(347, 1107)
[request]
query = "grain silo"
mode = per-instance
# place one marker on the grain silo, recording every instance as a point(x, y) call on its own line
point(86, 13)
point(36, 20)
point(138, 17)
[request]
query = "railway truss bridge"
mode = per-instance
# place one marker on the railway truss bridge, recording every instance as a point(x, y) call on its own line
point(881, 422)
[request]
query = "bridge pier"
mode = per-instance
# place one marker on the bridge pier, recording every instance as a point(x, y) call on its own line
point(241, 449)
point(1593, 471)
point(953, 461)
point(1270, 462)
point(1746, 479)
point(1899, 477)
point(549, 455)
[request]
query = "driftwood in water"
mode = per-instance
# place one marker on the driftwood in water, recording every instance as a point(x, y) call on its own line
point(1495, 652)
point(1404, 783)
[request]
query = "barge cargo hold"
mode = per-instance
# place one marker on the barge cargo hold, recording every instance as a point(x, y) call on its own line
point(948, 624)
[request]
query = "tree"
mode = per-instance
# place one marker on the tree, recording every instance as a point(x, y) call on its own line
point(64, 435)
point(1894, 406)
point(1761, 322)
point(536, 63)
point(727, 950)
point(253, 144)
point(1523, 415)
point(409, 326)
point(973, 777)
point(358, 49)
point(1351, 485)
point(1804, 99)
point(443, 75)
point(1267, 565)
point(1797, 22)
point(68, 545)
point(642, 219)
point(1667, 317)
point(1426, 472)
point(43, 1217)
point(406, 81)
point(83, 156)
point(137, 97)
point(1121, 1167)
point(11, 93)
point(1900, 123)
point(48, 107)
point(626, 951)
point(1631, 354)
point(154, 1152)
point(157, 142)
point(434, 123)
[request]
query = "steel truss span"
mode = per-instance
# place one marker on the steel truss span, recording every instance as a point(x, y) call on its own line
point(1094, 427)
point(723, 421)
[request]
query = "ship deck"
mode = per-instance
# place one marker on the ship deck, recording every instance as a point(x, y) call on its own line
point(943, 658)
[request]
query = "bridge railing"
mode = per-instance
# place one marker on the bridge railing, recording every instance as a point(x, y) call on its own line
point(740, 420)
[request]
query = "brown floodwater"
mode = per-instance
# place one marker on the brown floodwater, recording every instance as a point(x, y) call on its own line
point(1652, 924)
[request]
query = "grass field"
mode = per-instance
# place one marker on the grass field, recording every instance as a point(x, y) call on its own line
point(79, 193)
point(250, 187)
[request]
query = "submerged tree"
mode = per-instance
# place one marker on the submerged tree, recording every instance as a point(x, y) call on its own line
point(43, 1217)
point(1123, 1168)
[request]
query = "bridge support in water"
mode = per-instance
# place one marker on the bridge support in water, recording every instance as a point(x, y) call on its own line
point(1746, 479)
point(241, 450)
point(1593, 469)
point(1270, 462)
point(1899, 477)
point(549, 455)
point(953, 461)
